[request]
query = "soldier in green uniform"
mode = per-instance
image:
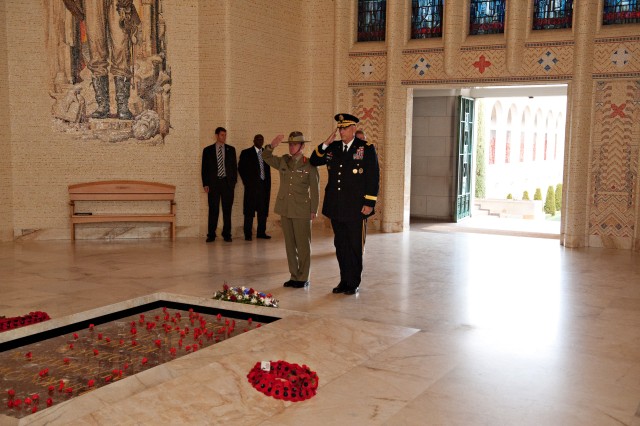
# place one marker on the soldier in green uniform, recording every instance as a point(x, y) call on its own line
point(297, 204)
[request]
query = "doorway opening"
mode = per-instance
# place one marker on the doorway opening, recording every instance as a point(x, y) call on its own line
point(489, 159)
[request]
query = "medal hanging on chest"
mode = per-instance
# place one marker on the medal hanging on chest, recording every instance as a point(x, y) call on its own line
point(359, 155)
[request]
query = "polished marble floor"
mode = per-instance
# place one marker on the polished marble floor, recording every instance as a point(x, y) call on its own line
point(449, 329)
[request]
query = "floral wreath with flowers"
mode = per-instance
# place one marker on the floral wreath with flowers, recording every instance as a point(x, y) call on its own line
point(245, 295)
point(16, 322)
point(283, 380)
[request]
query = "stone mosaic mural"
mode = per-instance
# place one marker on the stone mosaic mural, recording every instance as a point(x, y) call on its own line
point(108, 73)
point(614, 161)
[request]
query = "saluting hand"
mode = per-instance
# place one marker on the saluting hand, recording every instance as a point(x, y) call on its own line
point(276, 141)
point(331, 137)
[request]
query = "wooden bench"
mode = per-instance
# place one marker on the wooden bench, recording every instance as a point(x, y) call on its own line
point(122, 190)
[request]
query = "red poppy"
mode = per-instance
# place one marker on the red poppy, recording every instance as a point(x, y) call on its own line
point(158, 343)
point(49, 402)
point(144, 360)
point(34, 409)
point(51, 388)
point(91, 383)
point(219, 317)
point(69, 390)
point(28, 355)
point(70, 345)
point(95, 352)
point(173, 351)
point(11, 393)
point(91, 326)
point(75, 336)
point(99, 336)
point(107, 340)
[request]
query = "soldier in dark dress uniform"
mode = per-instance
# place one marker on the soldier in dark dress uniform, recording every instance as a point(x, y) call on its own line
point(350, 196)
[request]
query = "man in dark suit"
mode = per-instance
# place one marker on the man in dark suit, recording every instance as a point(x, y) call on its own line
point(219, 176)
point(349, 197)
point(256, 177)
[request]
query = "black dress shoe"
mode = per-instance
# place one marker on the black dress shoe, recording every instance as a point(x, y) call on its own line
point(264, 236)
point(228, 239)
point(288, 283)
point(340, 289)
point(248, 238)
point(211, 239)
point(352, 291)
point(300, 284)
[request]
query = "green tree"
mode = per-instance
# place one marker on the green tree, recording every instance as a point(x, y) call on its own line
point(480, 154)
point(550, 202)
point(559, 197)
point(509, 196)
point(525, 195)
point(538, 194)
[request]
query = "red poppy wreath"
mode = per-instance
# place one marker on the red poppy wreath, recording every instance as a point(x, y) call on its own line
point(283, 380)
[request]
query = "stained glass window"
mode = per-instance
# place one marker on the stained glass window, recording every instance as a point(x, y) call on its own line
point(620, 12)
point(372, 16)
point(426, 18)
point(487, 17)
point(551, 14)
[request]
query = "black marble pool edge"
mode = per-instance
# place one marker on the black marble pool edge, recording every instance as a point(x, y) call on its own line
point(122, 313)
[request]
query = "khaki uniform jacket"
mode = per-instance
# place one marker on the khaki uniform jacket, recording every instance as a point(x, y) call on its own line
point(299, 193)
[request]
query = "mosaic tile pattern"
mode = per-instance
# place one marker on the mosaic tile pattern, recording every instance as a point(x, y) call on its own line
point(368, 67)
point(549, 60)
point(614, 161)
point(368, 105)
point(616, 57)
point(481, 64)
point(421, 65)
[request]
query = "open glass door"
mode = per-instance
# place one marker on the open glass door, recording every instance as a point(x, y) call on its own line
point(465, 154)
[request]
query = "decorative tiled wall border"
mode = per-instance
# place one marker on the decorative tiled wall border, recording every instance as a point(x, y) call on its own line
point(617, 39)
point(367, 83)
point(362, 54)
point(616, 75)
point(484, 47)
point(429, 50)
point(487, 80)
point(549, 43)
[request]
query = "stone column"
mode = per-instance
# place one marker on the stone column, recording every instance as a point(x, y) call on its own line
point(345, 18)
point(396, 154)
point(516, 17)
point(575, 211)
point(453, 33)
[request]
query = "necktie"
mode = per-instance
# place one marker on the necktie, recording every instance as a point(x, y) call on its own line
point(345, 148)
point(220, 162)
point(261, 164)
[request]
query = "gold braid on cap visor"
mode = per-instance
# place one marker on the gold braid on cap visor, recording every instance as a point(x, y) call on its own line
point(346, 123)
